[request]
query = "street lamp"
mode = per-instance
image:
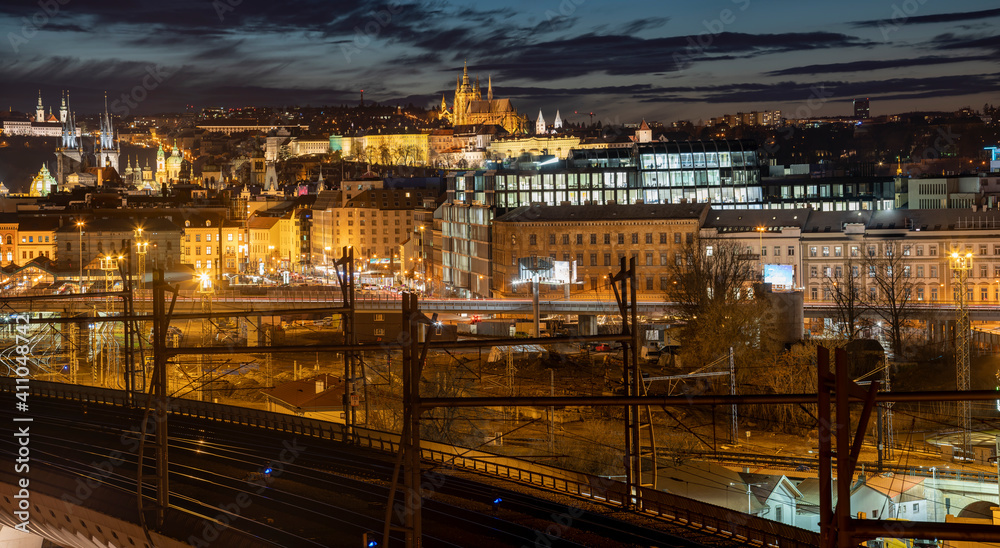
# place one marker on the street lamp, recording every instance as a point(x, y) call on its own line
point(79, 224)
point(760, 256)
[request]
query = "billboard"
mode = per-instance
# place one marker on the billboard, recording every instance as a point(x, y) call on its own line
point(779, 274)
point(545, 270)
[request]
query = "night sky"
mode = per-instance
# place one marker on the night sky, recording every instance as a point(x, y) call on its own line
point(621, 60)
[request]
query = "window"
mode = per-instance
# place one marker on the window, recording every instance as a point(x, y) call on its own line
point(663, 237)
point(649, 237)
point(920, 293)
point(677, 237)
point(763, 251)
point(649, 283)
point(31, 239)
point(621, 239)
point(984, 294)
point(689, 238)
point(826, 251)
point(229, 236)
point(607, 259)
point(663, 259)
point(838, 251)
point(579, 240)
point(777, 513)
point(635, 238)
point(934, 294)
point(379, 317)
point(197, 237)
point(579, 259)
point(208, 264)
point(934, 271)
point(814, 293)
point(649, 259)
point(677, 259)
point(813, 271)
point(791, 251)
point(532, 239)
point(593, 259)
point(552, 239)
point(208, 237)
point(708, 251)
point(379, 331)
point(982, 271)
point(208, 250)
point(593, 239)
point(932, 251)
point(982, 250)
point(920, 251)
point(664, 283)
point(916, 506)
point(777, 251)
point(920, 271)
point(607, 239)
point(812, 251)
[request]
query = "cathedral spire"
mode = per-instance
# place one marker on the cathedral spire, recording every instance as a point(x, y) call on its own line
point(39, 109)
point(489, 88)
point(465, 79)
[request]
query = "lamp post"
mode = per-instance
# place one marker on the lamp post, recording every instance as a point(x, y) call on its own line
point(79, 224)
point(760, 255)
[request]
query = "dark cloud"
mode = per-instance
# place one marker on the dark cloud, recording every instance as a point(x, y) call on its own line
point(801, 92)
point(926, 19)
point(622, 55)
point(950, 41)
point(864, 66)
point(642, 24)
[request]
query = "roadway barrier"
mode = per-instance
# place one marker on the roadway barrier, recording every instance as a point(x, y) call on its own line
point(709, 518)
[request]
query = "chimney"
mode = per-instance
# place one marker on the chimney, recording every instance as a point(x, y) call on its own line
point(320, 385)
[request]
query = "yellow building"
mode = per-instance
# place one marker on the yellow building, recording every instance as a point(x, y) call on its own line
point(37, 237)
point(410, 149)
point(263, 235)
point(512, 148)
point(211, 245)
point(273, 243)
point(8, 239)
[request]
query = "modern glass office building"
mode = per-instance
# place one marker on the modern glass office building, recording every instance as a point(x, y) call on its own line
point(726, 174)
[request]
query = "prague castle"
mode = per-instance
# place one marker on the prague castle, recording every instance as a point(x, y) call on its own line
point(469, 108)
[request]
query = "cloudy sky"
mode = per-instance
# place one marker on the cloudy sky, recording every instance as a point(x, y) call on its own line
point(621, 60)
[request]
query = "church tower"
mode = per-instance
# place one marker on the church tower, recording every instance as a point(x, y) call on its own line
point(540, 123)
point(557, 124)
point(107, 146)
point(39, 109)
point(161, 166)
point(62, 109)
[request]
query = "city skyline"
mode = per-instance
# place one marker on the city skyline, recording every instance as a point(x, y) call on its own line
point(621, 62)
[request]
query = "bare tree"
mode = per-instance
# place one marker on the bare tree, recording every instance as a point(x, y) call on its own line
point(890, 287)
point(713, 288)
point(845, 285)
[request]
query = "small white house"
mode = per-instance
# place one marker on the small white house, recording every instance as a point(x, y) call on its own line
point(890, 497)
point(777, 494)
